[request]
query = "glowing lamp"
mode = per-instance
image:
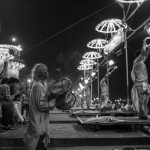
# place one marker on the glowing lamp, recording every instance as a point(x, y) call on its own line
point(93, 74)
point(97, 43)
point(109, 26)
point(92, 55)
point(131, 1)
point(84, 67)
point(81, 86)
point(111, 62)
point(29, 81)
point(88, 62)
point(17, 63)
point(14, 66)
point(14, 39)
point(147, 28)
point(81, 78)
point(86, 81)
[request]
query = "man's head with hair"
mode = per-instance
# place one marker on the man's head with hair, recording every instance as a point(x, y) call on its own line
point(39, 72)
point(144, 47)
point(4, 81)
point(13, 84)
point(12, 80)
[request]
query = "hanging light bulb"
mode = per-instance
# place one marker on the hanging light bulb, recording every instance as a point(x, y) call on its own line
point(111, 62)
point(86, 81)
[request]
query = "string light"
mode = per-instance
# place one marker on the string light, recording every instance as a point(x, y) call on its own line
point(131, 1)
point(13, 47)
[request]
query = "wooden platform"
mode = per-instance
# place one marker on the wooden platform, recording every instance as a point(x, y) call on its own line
point(67, 132)
point(92, 112)
point(111, 122)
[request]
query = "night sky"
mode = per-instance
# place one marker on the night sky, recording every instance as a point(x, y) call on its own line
point(56, 32)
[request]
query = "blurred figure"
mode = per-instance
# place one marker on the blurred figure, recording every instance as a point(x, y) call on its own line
point(18, 107)
point(141, 90)
point(24, 98)
point(82, 101)
point(104, 92)
point(87, 97)
point(37, 134)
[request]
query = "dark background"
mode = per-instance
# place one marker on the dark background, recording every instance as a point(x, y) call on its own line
point(56, 32)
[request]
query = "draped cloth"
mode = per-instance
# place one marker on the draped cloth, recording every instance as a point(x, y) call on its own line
point(140, 97)
point(38, 127)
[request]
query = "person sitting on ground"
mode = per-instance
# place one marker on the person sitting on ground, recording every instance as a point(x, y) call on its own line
point(18, 106)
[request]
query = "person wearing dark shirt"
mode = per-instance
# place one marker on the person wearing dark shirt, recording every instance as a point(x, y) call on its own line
point(141, 90)
point(37, 134)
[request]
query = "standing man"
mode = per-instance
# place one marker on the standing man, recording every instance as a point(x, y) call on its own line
point(104, 92)
point(87, 97)
point(141, 90)
point(37, 134)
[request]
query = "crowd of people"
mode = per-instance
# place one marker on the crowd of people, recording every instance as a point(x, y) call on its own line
point(140, 91)
point(17, 104)
point(14, 104)
point(20, 106)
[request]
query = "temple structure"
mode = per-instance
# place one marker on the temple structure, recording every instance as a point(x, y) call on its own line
point(10, 61)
